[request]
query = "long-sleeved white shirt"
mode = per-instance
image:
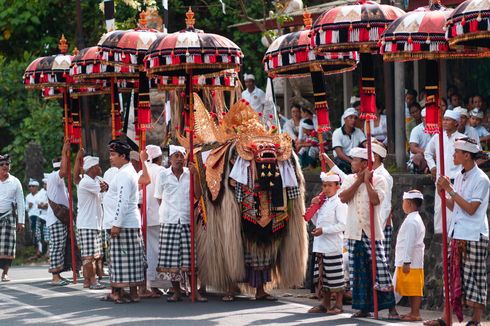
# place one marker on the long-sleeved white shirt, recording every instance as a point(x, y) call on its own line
point(152, 207)
point(331, 217)
point(42, 198)
point(127, 214)
point(385, 208)
point(358, 218)
point(89, 204)
point(432, 154)
point(109, 198)
point(11, 193)
point(410, 242)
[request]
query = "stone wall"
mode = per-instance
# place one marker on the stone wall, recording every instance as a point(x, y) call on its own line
point(433, 291)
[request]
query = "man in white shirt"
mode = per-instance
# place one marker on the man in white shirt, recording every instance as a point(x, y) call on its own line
point(345, 138)
point(58, 204)
point(379, 153)
point(418, 142)
point(450, 134)
point(464, 126)
point(172, 191)
point(254, 95)
point(359, 193)
point(468, 231)
point(12, 214)
point(33, 214)
point(42, 205)
point(152, 158)
point(126, 245)
point(89, 218)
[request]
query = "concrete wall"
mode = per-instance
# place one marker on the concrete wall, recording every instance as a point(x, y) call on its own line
point(433, 291)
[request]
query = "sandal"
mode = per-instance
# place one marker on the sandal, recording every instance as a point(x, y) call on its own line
point(201, 299)
point(228, 298)
point(361, 314)
point(266, 297)
point(317, 309)
point(473, 323)
point(435, 322)
point(5, 278)
point(410, 318)
point(174, 299)
point(122, 300)
point(107, 297)
point(335, 310)
point(61, 282)
point(393, 317)
point(96, 286)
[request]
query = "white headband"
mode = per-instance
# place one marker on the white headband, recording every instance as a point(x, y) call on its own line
point(33, 182)
point(56, 165)
point(134, 155)
point(153, 151)
point(348, 112)
point(307, 126)
point(360, 153)
point(465, 145)
point(476, 113)
point(379, 149)
point(89, 161)
point(173, 149)
point(330, 177)
point(452, 115)
point(461, 111)
point(413, 195)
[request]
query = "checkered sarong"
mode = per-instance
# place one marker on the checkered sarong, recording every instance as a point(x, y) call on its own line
point(90, 243)
point(474, 271)
point(328, 273)
point(7, 236)
point(383, 276)
point(58, 233)
point(128, 262)
point(174, 248)
point(388, 232)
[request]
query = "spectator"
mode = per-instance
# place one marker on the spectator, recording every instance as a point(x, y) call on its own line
point(464, 127)
point(421, 98)
point(476, 117)
point(443, 105)
point(254, 95)
point(418, 142)
point(307, 113)
point(416, 114)
point(379, 127)
point(454, 101)
point(292, 125)
point(451, 89)
point(410, 98)
point(345, 138)
point(355, 102)
point(477, 102)
point(307, 145)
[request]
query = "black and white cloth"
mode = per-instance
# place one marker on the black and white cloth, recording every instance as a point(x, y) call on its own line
point(328, 273)
point(388, 233)
point(58, 233)
point(384, 281)
point(174, 251)
point(7, 236)
point(127, 259)
point(90, 243)
point(474, 271)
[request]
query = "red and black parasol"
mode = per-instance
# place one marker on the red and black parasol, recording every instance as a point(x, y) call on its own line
point(469, 24)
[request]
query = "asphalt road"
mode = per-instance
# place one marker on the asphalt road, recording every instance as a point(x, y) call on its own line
point(29, 299)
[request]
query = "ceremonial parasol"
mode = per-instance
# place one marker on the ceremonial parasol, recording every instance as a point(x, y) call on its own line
point(188, 53)
point(291, 55)
point(53, 71)
point(358, 27)
point(469, 24)
point(420, 34)
point(124, 51)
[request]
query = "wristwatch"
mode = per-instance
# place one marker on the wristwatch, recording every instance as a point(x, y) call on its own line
point(452, 193)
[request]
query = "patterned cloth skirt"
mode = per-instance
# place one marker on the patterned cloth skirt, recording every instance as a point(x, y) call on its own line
point(128, 261)
point(328, 274)
point(174, 259)
point(58, 233)
point(90, 243)
point(7, 236)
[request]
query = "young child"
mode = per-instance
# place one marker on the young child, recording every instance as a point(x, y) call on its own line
point(307, 144)
point(409, 255)
point(476, 117)
point(329, 221)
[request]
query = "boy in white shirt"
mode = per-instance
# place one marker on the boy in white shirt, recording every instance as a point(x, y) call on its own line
point(329, 221)
point(409, 255)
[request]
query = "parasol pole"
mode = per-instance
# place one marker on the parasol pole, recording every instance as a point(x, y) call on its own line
point(367, 98)
point(442, 172)
point(191, 184)
point(113, 108)
point(70, 192)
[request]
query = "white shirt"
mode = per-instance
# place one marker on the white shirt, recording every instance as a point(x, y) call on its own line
point(482, 132)
point(152, 207)
point(431, 154)
point(89, 204)
point(126, 214)
point(256, 98)
point(42, 198)
point(109, 198)
point(385, 208)
point(473, 186)
point(174, 193)
point(410, 242)
point(11, 192)
point(358, 208)
point(419, 137)
point(472, 133)
point(341, 139)
point(381, 131)
point(331, 217)
point(57, 193)
point(31, 199)
point(291, 129)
